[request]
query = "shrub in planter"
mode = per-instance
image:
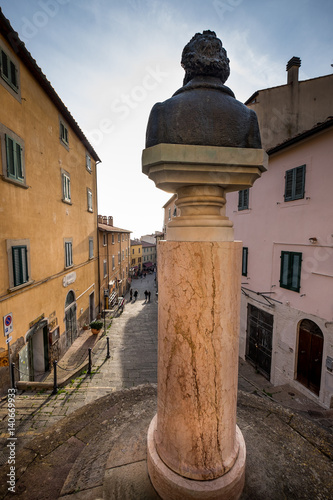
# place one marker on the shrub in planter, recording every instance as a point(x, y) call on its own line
point(96, 326)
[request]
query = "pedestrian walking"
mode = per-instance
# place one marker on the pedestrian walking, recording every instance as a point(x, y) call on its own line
point(149, 293)
point(135, 295)
point(146, 295)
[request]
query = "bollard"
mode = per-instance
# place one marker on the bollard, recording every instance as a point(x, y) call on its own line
point(89, 365)
point(13, 375)
point(55, 386)
point(108, 348)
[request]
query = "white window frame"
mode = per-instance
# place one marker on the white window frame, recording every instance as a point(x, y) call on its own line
point(10, 244)
point(91, 248)
point(13, 65)
point(89, 200)
point(88, 163)
point(63, 133)
point(68, 251)
point(18, 145)
point(66, 187)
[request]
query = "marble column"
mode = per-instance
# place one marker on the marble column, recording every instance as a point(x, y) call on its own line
point(195, 449)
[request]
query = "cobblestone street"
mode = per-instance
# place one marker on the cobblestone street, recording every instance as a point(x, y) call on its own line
point(133, 361)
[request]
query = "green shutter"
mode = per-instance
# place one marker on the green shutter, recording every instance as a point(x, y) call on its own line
point(244, 261)
point(10, 157)
point(284, 273)
point(4, 64)
point(14, 159)
point(299, 182)
point(20, 265)
point(294, 183)
point(243, 199)
point(288, 192)
point(19, 162)
point(290, 273)
point(13, 79)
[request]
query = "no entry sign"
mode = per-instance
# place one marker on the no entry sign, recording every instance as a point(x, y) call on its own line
point(8, 324)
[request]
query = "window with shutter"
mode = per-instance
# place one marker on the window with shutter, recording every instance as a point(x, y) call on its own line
point(9, 71)
point(20, 265)
point(14, 159)
point(66, 187)
point(243, 199)
point(91, 248)
point(244, 261)
point(68, 254)
point(295, 183)
point(89, 198)
point(63, 133)
point(88, 163)
point(290, 272)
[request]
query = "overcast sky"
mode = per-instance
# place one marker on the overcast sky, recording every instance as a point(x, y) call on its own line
point(110, 61)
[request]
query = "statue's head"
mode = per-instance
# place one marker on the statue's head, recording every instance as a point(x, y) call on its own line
point(204, 55)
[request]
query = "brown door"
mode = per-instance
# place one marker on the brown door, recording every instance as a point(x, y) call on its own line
point(310, 355)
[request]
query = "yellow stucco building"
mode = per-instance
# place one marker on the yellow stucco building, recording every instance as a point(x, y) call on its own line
point(136, 257)
point(48, 218)
point(114, 261)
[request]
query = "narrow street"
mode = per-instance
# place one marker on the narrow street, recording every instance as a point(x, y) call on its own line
point(133, 361)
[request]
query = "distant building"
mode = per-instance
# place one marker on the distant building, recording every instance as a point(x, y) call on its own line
point(48, 217)
point(170, 211)
point(114, 261)
point(148, 256)
point(136, 257)
point(285, 225)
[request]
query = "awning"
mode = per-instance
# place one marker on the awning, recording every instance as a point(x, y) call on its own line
point(148, 264)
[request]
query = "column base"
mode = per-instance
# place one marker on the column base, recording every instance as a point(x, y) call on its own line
point(169, 485)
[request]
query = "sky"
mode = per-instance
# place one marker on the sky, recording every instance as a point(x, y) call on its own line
point(110, 61)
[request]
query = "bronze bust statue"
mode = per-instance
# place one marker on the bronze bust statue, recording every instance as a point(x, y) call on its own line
point(204, 111)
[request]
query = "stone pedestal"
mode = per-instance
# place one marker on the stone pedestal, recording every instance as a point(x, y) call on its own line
point(195, 450)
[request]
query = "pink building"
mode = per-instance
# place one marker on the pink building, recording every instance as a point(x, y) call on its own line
point(285, 223)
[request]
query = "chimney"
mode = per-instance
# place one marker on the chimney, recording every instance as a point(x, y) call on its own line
point(110, 222)
point(105, 219)
point(100, 219)
point(292, 68)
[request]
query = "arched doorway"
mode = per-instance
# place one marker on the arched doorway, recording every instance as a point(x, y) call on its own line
point(70, 318)
point(310, 355)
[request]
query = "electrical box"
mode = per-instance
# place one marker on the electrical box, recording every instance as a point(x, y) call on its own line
point(329, 363)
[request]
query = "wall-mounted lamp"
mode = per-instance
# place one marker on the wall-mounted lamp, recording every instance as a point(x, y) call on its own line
point(313, 240)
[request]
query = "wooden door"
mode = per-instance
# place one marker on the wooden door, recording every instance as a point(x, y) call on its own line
point(310, 355)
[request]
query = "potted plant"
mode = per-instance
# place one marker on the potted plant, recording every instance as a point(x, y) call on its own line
point(96, 326)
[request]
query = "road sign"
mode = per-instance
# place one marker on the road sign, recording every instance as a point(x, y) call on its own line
point(9, 339)
point(8, 323)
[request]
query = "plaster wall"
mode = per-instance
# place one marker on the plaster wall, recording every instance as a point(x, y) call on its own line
point(37, 213)
point(271, 225)
point(289, 109)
